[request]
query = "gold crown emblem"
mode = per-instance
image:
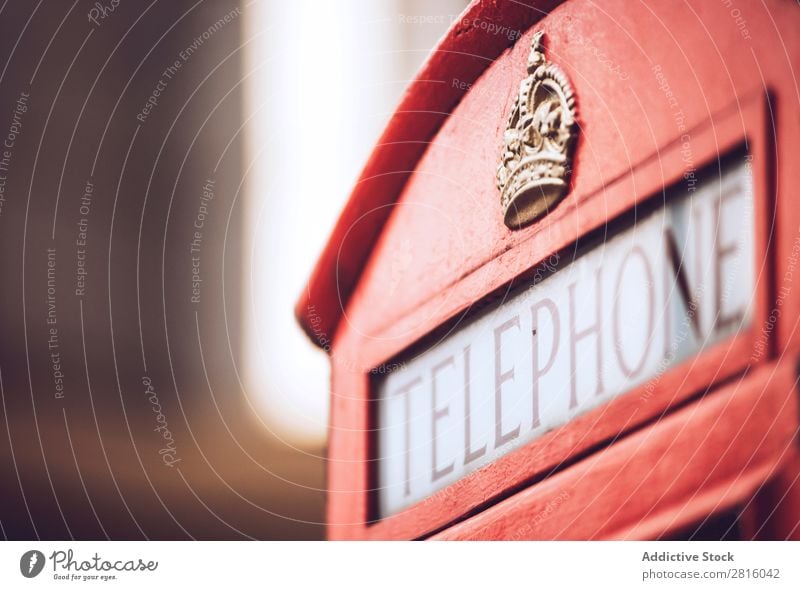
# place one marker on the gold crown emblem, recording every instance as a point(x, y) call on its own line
point(534, 170)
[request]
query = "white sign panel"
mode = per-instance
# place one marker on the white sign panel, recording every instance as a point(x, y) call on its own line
point(676, 281)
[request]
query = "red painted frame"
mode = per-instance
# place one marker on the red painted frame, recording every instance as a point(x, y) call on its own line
point(373, 333)
point(559, 448)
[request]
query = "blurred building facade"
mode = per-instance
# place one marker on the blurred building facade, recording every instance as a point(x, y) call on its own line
point(156, 195)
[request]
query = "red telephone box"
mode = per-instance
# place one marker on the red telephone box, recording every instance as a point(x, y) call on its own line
point(562, 299)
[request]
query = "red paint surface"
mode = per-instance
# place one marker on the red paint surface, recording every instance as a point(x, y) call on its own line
point(447, 221)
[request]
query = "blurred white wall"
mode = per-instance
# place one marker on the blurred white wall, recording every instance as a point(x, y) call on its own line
point(322, 80)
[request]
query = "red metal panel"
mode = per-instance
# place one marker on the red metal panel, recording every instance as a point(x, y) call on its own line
point(630, 147)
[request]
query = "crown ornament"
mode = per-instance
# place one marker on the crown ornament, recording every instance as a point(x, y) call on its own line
point(533, 175)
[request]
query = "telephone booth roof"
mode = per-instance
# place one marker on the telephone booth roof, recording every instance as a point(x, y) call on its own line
point(462, 54)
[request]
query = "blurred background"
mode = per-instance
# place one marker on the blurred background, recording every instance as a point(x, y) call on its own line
point(169, 172)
